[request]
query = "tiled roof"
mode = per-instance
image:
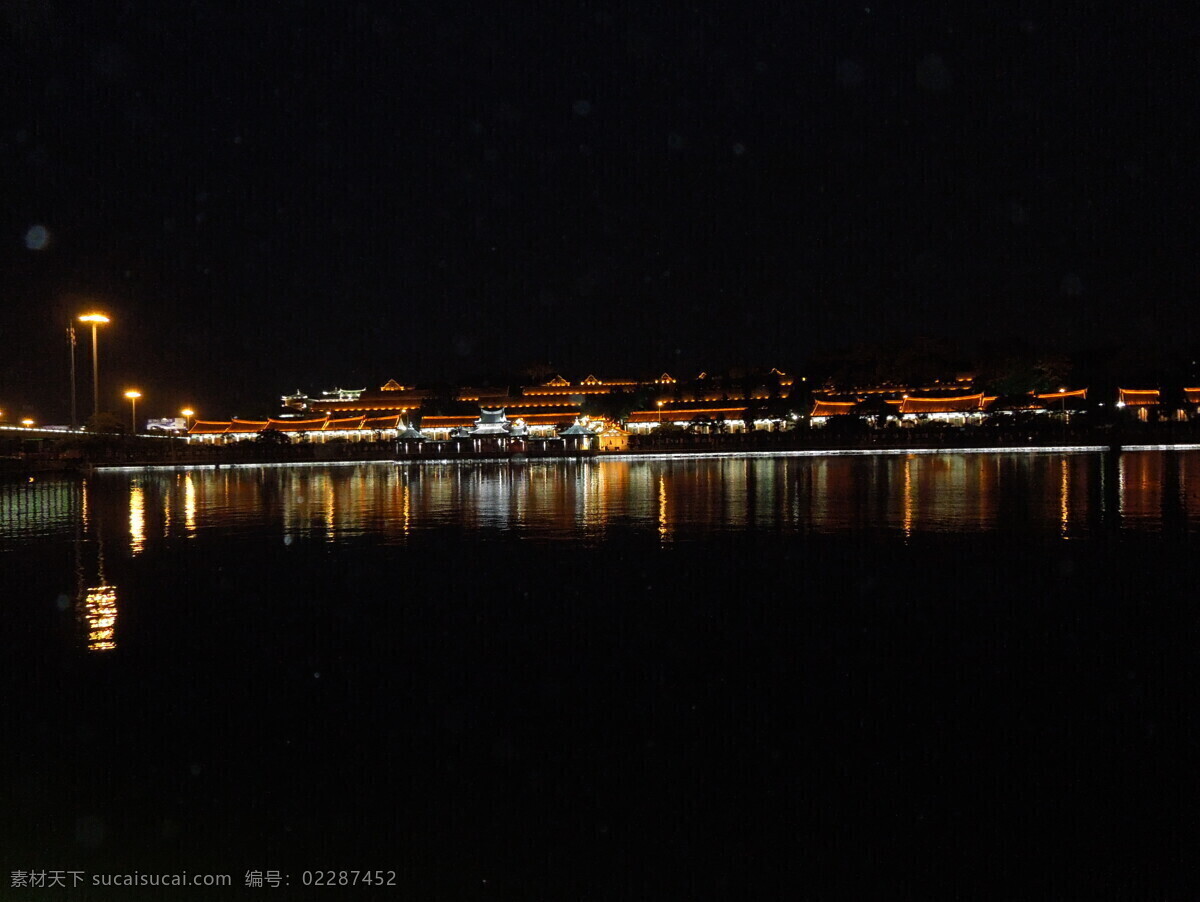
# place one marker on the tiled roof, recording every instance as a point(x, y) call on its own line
point(832, 408)
point(960, 404)
point(389, 422)
point(342, 425)
point(1077, 394)
point(447, 422)
point(208, 427)
point(686, 415)
point(1134, 397)
point(236, 425)
point(544, 418)
point(296, 425)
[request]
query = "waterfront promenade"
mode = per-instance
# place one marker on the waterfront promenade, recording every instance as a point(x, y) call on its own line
point(72, 454)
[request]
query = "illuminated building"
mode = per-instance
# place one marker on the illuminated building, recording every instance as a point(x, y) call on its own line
point(322, 429)
point(705, 419)
point(613, 438)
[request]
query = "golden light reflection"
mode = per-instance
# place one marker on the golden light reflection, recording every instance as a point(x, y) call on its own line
point(83, 505)
point(189, 506)
point(664, 530)
point(166, 514)
point(100, 610)
point(1064, 509)
point(406, 502)
point(330, 505)
point(137, 518)
point(908, 497)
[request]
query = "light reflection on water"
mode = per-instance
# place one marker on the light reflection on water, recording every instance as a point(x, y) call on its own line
point(1069, 495)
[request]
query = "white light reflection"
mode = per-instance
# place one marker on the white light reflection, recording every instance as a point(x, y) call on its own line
point(189, 506)
point(137, 518)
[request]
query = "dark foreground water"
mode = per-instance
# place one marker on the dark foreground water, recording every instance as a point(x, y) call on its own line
point(739, 678)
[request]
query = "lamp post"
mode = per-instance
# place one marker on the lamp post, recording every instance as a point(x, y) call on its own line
point(96, 319)
point(71, 339)
point(133, 394)
point(188, 413)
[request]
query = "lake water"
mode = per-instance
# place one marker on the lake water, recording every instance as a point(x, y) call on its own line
point(612, 678)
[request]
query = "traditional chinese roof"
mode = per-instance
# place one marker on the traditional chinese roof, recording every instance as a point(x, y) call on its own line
point(446, 422)
point(208, 427)
point(391, 385)
point(1192, 395)
point(1138, 397)
point(1078, 394)
point(677, 415)
point(236, 425)
point(295, 425)
point(411, 435)
point(400, 403)
point(545, 418)
point(960, 404)
point(343, 425)
point(490, 422)
point(389, 422)
point(576, 428)
point(832, 408)
point(558, 380)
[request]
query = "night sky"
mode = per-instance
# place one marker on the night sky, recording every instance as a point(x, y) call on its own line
point(271, 196)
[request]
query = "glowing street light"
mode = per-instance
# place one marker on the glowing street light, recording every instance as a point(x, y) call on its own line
point(188, 413)
point(95, 319)
point(26, 422)
point(133, 394)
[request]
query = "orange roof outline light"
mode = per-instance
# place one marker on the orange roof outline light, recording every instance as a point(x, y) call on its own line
point(959, 404)
point(832, 408)
point(236, 426)
point(380, 423)
point(344, 424)
point(295, 425)
point(1080, 393)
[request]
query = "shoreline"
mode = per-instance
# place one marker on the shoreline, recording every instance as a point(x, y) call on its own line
point(136, 454)
point(649, 455)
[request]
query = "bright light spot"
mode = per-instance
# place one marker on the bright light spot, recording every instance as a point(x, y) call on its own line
point(37, 238)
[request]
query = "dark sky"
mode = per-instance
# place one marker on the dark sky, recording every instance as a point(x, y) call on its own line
point(270, 196)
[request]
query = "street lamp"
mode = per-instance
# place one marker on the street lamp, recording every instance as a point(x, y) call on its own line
point(26, 422)
point(133, 394)
point(74, 413)
point(188, 413)
point(96, 319)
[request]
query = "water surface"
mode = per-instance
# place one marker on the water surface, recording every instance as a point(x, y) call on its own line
point(611, 678)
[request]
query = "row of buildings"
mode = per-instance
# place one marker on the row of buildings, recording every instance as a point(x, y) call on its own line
point(560, 409)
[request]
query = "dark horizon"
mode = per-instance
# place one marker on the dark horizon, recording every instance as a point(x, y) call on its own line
point(270, 200)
